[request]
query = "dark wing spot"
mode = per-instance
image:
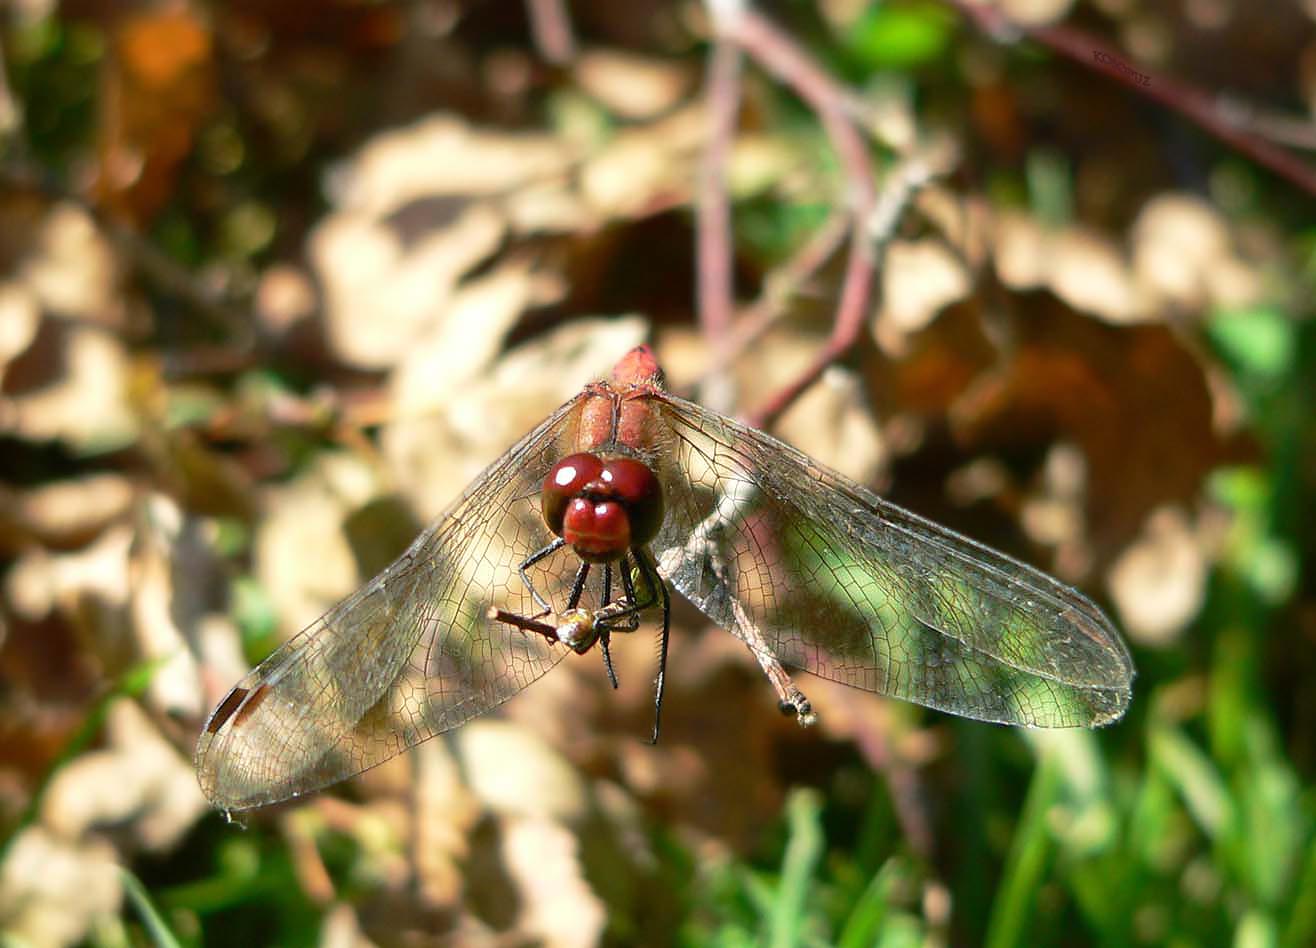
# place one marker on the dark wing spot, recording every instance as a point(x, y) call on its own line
point(225, 710)
point(251, 704)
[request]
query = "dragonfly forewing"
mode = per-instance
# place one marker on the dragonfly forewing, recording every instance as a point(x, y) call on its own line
point(798, 559)
point(411, 654)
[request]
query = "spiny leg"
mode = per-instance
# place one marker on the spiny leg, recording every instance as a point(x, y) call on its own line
point(790, 700)
point(632, 613)
point(530, 561)
point(655, 583)
point(578, 586)
point(605, 631)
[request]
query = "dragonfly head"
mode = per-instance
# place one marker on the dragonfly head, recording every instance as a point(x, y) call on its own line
point(602, 508)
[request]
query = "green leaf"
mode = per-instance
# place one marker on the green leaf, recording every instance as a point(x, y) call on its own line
point(900, 37)
point(804, 849)
point(1191, 772)
point(1261, 342)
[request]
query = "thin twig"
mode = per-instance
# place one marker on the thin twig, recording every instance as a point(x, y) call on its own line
point(550, 25)
point(780, 286)
point(1189, 101)
point(713, 237)
point(779, 54)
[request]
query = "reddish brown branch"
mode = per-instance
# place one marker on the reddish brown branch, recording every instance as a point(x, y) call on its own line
point(1189, 101)
point(714, 257)
point(781, 284)
point(779, 54)
point(551, 28)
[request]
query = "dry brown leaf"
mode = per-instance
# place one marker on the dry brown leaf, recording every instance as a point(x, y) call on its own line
point(39, 582)
point(550, 207)
point(760, 163)
point(380, 292)
point(445, 811)
point(632, 86)
point(1019, 246)
point(87, 407)
point(220, 658)
point(1036, 12)
point(832, 423)
point(433, 456)
point(140, 779)
point(1158, 583)
point(63, 513)
point(1074, 379)
point(72, 270)
point(1089, 272)
point(645, 168)
point(557, 906)
point(342, 929)
point(1182, 255)
point(53, 891)
point(919, 279)
point(514, 772)
point(964, 221)
point(20, 317)
point(443, 156)
point(463, 341)
point(173, 575)
point(307, 515)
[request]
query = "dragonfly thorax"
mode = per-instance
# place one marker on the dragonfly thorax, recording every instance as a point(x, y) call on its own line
point(602, 507)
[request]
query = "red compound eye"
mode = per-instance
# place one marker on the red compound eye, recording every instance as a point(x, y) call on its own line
point(602, 508)
point(565, 481)
point(636, 486)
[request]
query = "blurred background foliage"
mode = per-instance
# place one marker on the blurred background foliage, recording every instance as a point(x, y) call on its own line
point(276, 280)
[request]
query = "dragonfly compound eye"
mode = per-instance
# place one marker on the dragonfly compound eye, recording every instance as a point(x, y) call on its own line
point(635, 485)
point(564, 482)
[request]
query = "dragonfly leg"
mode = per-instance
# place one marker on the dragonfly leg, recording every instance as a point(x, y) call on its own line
point(789, 697)
point(627, 619)
point(605, 632)
point(578, 586)
point(530, 561)
point(655, 584)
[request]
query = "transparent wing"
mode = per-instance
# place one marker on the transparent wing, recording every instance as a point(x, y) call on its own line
point(409, 655)
point(800, 561)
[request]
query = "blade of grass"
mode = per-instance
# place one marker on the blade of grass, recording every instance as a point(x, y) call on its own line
point(1027, 859)
point(155, 925)
point(869, 912)
point(1301, 929)
point(804, 848)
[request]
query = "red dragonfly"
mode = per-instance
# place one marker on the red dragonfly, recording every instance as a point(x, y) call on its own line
point(641, 489)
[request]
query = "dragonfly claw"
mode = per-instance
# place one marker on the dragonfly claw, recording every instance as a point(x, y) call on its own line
point(799, 706)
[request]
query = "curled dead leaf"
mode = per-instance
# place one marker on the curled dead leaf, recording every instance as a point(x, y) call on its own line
point(1158, 583)
point(87, 407)
point(443, 155)
point(140, 779)
point(919, 279)
point(54, 891)
point(308, 514)
point(381, 292)
point(632, 86)
point(1182, 254)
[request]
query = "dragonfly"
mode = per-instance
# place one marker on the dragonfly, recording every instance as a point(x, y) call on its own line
point(583, 527)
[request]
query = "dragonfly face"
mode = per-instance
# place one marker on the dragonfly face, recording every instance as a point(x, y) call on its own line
point(602, 508)
point(637, 490)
